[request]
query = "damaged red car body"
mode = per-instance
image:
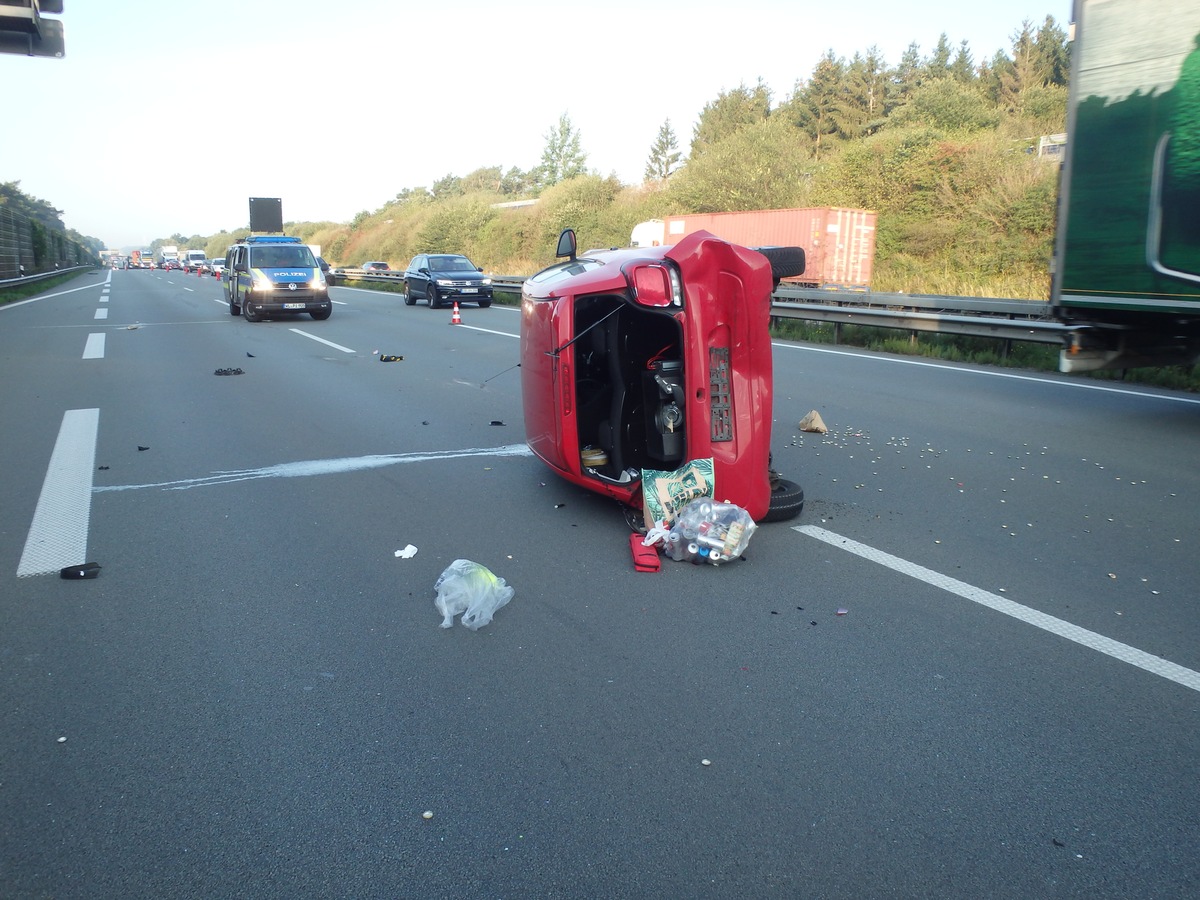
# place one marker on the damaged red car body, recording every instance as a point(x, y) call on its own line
point(650, 358)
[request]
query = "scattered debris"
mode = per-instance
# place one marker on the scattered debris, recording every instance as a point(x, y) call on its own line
point(229, 372)
point(471, 589)
point(428, 814)
point(103, 468)
point(249, 354)
point(141, 448)
point(842, 611)
point(495, 422)
point(813, 422)
point(132, 327)
point(407, 553)
point(86, 570)
point(384, 357)
point(706, 762)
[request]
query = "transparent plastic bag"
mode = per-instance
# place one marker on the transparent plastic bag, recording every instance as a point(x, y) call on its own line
point(471, 589)
point(709, 531)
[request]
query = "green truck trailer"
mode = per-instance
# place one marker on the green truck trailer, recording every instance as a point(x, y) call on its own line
point(1127, 260)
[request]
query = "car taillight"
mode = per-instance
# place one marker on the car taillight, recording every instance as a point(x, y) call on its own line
point(654, 284)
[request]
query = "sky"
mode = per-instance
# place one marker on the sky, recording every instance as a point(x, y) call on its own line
point(165, 118)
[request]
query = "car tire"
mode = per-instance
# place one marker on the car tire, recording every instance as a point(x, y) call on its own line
point(787, 500)
point(234, 310)
point(409, 299)
point(431, 294)
point(320, 314)
point(484, 304)
point(249, 313)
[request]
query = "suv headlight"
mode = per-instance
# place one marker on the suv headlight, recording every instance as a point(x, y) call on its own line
point(445, 282)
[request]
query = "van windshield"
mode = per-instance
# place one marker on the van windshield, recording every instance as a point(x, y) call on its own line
point(295, 256)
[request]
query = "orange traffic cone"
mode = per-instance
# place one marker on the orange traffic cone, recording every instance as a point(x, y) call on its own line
point(456, 319)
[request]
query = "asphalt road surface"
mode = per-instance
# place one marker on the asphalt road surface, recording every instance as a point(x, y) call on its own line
point(971, 668)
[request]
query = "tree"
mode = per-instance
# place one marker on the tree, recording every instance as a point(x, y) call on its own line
point(664, 154)
point(516, 182)
point(864, 102)
point(817, 108)
point(483, 179)
point(760, 166)
point(562, 157)
point(938, 65)
point(962, 69)
point(908, 75)
point(447, 186)
point(730, 111)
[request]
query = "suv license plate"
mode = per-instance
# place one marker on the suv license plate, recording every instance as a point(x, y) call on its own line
point(293, 306)
point(470, 290)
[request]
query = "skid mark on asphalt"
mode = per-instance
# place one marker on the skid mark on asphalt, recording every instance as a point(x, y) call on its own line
point(1156, 665)
point(306, 468)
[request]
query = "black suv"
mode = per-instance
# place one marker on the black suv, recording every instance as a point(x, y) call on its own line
point(445, 278)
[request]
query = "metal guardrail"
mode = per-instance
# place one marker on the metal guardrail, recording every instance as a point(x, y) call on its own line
point(991, 317)
point(42, 276)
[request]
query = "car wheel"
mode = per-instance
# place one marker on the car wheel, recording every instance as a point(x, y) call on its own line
point(320, 314)
point(409, 299)
point(432, 294)
point(234, 310)
point(484, 304)
point(249, 313)
point(787, 500)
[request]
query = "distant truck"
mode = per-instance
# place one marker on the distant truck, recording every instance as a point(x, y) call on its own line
point(839, 244)
point(1127, 253)
point(167, 253)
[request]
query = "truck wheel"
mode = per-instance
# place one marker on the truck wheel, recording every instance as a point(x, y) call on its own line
point(787, 500)
point(409, 299)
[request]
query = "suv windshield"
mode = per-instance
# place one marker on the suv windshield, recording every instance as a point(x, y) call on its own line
point(450, 264)
point(281, 256)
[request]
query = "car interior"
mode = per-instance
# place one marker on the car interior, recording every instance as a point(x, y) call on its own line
point(628, 386)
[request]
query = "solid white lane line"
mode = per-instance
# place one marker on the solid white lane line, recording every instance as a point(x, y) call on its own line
point(1156, 665)
point(993, 373)
point(322, 340)
point(58, 535)
point(102, 314)
point(94, 348)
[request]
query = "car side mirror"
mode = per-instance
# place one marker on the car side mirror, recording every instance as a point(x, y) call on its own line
point(423, 271)
point(567, 245)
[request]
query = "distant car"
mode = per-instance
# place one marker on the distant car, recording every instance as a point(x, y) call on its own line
point(327, 270)
point(445, 278)
point(375, 267)
point(218, 266)
point(171, 265)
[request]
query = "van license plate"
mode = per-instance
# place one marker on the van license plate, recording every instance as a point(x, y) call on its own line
point(293, 306)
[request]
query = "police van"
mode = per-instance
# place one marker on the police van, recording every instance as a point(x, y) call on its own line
point(272, 274)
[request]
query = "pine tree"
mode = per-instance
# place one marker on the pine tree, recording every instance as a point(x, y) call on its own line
point(664, 154)
point(563, 157)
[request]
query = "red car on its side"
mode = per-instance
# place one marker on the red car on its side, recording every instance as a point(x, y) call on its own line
point(652, 357)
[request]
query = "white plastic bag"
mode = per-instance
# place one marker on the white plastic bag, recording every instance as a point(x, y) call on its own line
point(471, 589)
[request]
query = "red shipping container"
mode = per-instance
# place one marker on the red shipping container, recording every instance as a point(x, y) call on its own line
point(839, 244)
